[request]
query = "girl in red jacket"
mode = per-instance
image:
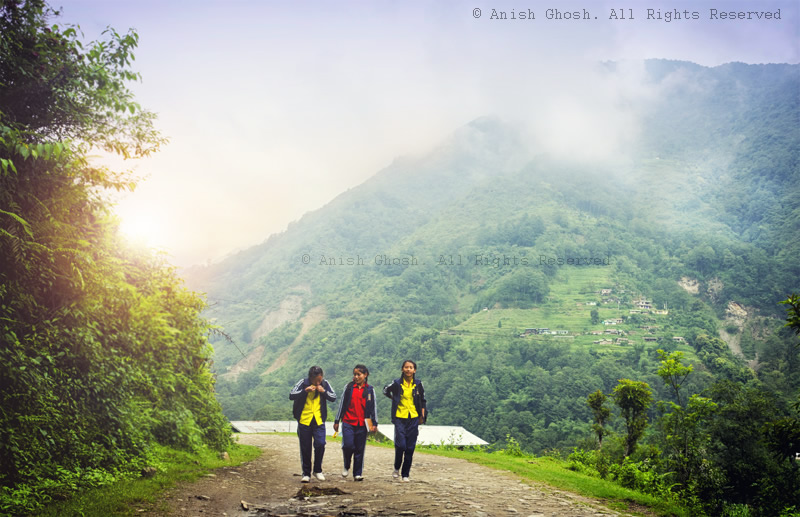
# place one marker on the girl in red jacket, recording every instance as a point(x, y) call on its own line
point(357, 412)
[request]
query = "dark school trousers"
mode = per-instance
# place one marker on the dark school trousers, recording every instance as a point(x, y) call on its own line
point(307, 434)
point(354, 441)
point(406, 431)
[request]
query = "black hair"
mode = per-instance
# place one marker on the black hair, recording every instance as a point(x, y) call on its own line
point(314, 371)
point(363, 369)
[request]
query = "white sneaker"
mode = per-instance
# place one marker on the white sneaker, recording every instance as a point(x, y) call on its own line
point(345, 472)
point(319, 476)
point(359, 478)
point(305, 479)
point(406, 480)
point(396, 474)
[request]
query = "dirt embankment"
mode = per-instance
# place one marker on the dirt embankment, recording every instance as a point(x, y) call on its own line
point(289, 310)
point(312, 317)
point(439, 486)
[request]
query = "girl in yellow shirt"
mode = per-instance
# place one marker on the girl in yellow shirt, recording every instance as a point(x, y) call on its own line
point(408, 411)
point(310, 408)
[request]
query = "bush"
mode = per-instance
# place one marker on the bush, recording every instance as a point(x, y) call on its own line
point(641, 476)
point(512, 447)
point(592, 462)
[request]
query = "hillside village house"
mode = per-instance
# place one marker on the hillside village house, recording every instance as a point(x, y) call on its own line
point(543, 331)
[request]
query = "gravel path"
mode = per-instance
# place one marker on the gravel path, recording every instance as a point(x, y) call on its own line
point(268, 486)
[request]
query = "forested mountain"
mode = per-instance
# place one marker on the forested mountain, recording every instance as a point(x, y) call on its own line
point(522, 281)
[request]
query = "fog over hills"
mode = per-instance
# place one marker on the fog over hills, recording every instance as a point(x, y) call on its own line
point(677, 184)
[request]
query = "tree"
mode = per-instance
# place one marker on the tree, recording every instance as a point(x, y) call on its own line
point(633, 398)
point(682, 424)
point(596, 402)
point(740, 447)
point(673, 372)
point(793, 313)
point(103, 352)
point(595, 315)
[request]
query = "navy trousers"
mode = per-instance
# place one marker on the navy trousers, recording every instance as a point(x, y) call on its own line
point(354, 441)
point(307, 434)
point(406, 431)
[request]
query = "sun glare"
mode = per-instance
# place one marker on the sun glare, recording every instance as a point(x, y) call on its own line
point(142, 229)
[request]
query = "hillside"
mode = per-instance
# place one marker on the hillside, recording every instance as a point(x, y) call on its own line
point(459, 258)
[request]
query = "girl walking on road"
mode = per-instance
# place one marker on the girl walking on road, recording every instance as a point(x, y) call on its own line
point(408, 412)
point(357, 412)
point(311, 397)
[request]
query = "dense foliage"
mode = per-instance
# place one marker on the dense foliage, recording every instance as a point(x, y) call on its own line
point(103, 351)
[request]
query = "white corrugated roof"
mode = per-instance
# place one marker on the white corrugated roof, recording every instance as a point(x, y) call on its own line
point(428, 434)
point(438, 435)
point(270, 426)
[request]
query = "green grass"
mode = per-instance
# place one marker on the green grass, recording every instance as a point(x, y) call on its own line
point(126, 497)
point(554, 472)
point(571, 287)
point(567, 309)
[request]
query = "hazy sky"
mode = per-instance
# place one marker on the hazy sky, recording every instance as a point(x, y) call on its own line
point(273, 108)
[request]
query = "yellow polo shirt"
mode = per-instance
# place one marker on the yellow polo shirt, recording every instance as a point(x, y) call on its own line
point(406, 407)
point(311, 409)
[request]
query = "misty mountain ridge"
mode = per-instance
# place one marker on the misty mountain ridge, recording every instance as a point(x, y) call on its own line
point(446, 256)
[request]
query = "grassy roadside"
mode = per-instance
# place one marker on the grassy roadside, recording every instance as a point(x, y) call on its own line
point(127, 497)
point(554, 472)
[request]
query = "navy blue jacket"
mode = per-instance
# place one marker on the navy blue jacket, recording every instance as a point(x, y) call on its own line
point(298, 395)
point(370, 405)
point(394, 390)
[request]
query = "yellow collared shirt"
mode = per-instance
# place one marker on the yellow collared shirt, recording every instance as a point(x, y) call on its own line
point(311, 409)
point(406, 407)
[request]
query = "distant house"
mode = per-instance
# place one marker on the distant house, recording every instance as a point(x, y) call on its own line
point(541, 331)
point(678, 339)
point(613, 321)
point(561, 332)
point(643, 304)
point(603, 342)
point(650, 338)
point(605, 291)
point(663, 312)
point(591, 303)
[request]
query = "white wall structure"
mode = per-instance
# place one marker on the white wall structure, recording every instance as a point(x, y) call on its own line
point(428, 434)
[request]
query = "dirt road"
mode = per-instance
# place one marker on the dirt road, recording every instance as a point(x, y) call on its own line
point(439, 486)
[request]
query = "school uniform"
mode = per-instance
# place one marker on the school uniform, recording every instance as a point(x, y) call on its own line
point(356, 406)
point(408, 403)
point(310, 409)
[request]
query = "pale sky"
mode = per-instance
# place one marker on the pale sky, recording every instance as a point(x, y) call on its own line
point(273, 108)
